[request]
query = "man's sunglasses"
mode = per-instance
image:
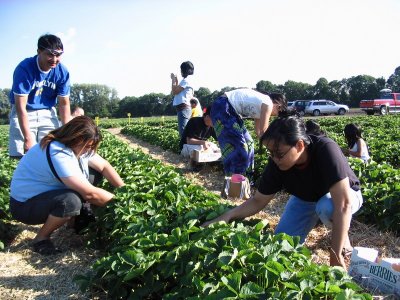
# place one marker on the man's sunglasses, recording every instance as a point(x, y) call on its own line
point(53, 52)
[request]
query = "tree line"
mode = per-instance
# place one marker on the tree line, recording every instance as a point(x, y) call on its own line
point(103, 101)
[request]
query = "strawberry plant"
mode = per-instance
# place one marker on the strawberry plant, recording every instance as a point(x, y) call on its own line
point(156, 248)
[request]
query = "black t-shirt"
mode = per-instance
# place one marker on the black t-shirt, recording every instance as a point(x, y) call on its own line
point(196, 128)
point(327, 165)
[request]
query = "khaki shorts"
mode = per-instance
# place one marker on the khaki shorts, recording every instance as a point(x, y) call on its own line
point(41, 122)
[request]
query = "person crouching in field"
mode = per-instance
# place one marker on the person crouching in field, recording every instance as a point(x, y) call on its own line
point(196, 133)
point(314, 171)
point(357, 146)
point(51, 182)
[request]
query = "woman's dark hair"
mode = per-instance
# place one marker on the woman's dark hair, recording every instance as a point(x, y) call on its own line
point(187, 68)
point(313, 127)
point(352, 132)
point(50, 41)
point(286, 130)
point(277, 98)
point(76, 132)
point(280, 100)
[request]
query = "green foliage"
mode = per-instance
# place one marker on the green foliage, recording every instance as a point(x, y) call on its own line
point(156, 247)
point(96, 99)
point(394, 80)
point(381, 205)
point(163, 135)
point(4, 105)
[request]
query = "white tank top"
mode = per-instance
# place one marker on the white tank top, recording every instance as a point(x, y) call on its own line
point(364, 151)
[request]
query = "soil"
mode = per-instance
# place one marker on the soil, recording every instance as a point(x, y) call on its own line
point(28, 275)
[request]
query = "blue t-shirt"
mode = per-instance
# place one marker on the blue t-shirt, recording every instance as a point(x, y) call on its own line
point(33, 175)
point(41, 87)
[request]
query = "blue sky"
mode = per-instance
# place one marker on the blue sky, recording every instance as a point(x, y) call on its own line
point(133, 46)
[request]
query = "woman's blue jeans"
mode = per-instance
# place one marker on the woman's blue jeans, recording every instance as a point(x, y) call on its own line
point(183, 118)
point(300, 216)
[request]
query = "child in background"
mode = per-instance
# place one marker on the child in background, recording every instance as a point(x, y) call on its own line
point(196, 108)
point(357, 146)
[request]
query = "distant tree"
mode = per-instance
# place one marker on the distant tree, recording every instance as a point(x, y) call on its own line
point(4, 105)
point(152, 104)
point(321, 89)
point(363, 87)
point(394, 81)
point(335, 88)
point(296, 90)
point(227, 89)
point(266, 86)
point(204, 96)
point(96, 99)
point(126, 105)
point(145, 106)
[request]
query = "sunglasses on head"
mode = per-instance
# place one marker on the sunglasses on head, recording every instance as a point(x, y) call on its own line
point(53, 52)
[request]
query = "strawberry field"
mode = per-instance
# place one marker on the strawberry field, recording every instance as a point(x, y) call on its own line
point(155, 248)
point(379, 179)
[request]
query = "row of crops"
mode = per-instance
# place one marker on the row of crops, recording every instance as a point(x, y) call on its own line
point(379, 179)
point(154, 246)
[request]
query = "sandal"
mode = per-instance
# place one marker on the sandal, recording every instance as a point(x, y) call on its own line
point(45, 247)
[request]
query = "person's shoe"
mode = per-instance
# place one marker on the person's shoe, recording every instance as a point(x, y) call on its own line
point(45, 247)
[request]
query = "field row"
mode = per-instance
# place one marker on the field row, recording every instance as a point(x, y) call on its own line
point(379, 179)
point(155, 247)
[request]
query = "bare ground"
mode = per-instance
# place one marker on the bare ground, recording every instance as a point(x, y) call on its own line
point(27, 275)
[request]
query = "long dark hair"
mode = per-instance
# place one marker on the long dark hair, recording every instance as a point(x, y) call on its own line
point(280, 100)
point(277, 98)
point(76, 132)
point(286, 130)
point(352, 133)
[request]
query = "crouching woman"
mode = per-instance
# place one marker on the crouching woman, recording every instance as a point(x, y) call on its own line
point(51, 181)
point(313, 170)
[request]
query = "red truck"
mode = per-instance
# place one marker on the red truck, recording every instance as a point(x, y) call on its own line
point(387, 103)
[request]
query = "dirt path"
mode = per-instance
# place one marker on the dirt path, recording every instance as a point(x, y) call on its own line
point(27, 275)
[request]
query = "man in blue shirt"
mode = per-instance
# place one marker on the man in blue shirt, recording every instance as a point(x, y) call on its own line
point(39, 82)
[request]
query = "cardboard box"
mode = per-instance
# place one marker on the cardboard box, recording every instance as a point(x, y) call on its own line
point(205, 156)
point(374, 273)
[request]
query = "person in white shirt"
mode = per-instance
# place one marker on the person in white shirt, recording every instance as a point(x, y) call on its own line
point(227, 115)
point(183, 93)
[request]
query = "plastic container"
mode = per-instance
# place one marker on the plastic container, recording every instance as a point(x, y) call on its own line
point(237, 178)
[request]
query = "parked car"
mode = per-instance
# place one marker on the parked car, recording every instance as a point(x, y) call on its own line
point(290, 105)
point(325, 107)
point(299, 106)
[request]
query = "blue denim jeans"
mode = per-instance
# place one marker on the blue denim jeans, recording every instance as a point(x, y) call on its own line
point(300, 216)
point(183, 118)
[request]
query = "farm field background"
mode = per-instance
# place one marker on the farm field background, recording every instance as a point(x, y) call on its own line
point(153, 245)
